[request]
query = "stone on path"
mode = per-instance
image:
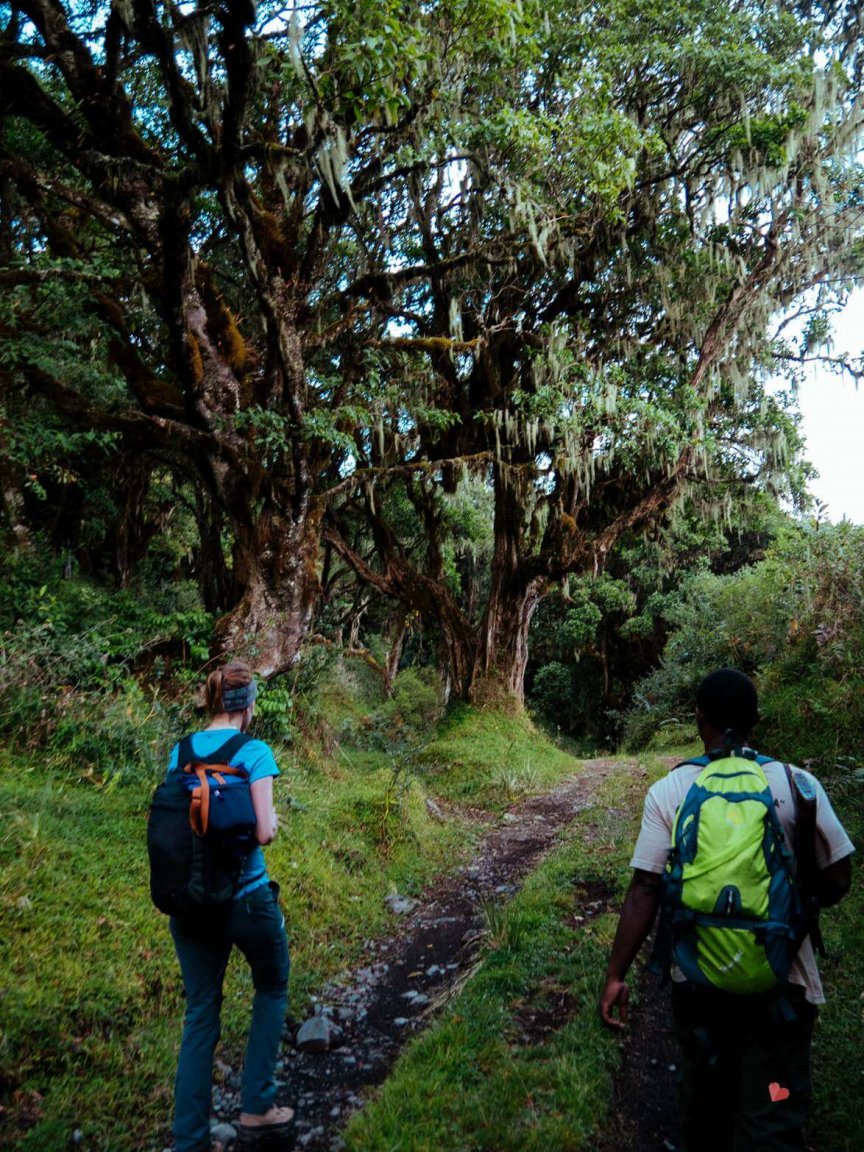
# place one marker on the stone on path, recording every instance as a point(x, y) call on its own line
point(316, 1034)
point(399, 904)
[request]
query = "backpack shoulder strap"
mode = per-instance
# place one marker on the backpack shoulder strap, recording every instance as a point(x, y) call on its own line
point(184, 753)
point(697, 761)
point(804, 848)
point(222, 755)
point(230, 748)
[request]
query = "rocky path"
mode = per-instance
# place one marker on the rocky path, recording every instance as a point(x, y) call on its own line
point(372, 1013)
point(363, 1021)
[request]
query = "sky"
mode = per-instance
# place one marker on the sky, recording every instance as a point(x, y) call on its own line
point(833, 423)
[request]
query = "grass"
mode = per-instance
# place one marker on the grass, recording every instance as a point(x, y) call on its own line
point(476, 1081)
point(519, 1060)
point(489, 759)
point(837, 1121)
point(89, 987)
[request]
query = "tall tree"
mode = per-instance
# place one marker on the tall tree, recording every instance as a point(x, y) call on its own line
point(649, 190)
point(205, 180)
point(325, 251)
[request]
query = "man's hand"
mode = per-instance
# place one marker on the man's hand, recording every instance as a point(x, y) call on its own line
point(615, 993)
point(637, 915)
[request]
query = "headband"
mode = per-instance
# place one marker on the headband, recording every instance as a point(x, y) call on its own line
point(238, 699)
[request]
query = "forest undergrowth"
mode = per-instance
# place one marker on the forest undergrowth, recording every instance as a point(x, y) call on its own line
point(91, 995)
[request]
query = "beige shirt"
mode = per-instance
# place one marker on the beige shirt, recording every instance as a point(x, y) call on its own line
point(832, 844)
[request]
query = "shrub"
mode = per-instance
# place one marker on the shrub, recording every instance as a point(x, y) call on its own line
point(82, 667)
point(552, 690)
point(795, 621)
point(413, 709)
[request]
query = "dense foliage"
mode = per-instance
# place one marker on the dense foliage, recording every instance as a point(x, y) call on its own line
point(795, 621)
point(271, 277)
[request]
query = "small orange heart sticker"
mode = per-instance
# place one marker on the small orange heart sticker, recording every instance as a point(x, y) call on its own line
point(777, 1092)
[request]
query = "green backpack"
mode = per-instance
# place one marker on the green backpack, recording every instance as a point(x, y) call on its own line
point(730, 899)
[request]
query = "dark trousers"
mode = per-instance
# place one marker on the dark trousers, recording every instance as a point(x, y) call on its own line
point(256, 926)
point(744, 1069)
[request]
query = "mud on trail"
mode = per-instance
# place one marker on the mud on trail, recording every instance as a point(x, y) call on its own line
point(378, 1007)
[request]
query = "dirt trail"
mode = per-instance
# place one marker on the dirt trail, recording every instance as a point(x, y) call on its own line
point(392, 995)
point(644, 1113)
point(408, 974)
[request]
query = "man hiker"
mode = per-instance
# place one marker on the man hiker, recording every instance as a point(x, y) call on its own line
point(746, 1000)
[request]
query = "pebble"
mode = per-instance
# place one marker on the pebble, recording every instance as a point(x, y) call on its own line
point(400, 905)
point(400, 1021)
point(77, 1136)
point(315, 1034)
point(416, 998)
point(223, 1132)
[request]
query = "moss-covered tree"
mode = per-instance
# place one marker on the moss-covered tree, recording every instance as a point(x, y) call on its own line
point(323, 251)
point(652, 190)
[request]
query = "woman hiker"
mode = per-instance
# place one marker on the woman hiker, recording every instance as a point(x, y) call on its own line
point(253, 923)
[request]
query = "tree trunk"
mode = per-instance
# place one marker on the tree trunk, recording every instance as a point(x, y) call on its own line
point(133, 530)
point(394, 655)
point(498, 674)
point(457, 653)
point(215, 578)
point(276, 565)
point(12, 504)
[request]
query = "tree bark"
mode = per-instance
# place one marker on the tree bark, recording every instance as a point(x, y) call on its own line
point(399, 631)
point(214, 576)
point(502, 652)
point(276, 565)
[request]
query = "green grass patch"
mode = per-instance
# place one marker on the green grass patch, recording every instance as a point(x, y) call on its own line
point(519, 1059)
point(89, 984)
point(837, 1122)
point(490, 759)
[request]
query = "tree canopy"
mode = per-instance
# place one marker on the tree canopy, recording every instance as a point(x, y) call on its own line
point(318, 264)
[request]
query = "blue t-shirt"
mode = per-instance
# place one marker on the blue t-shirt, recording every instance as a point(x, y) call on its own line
point(257, 759)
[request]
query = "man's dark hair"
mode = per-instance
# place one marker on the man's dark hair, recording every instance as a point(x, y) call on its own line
point(727, 698)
